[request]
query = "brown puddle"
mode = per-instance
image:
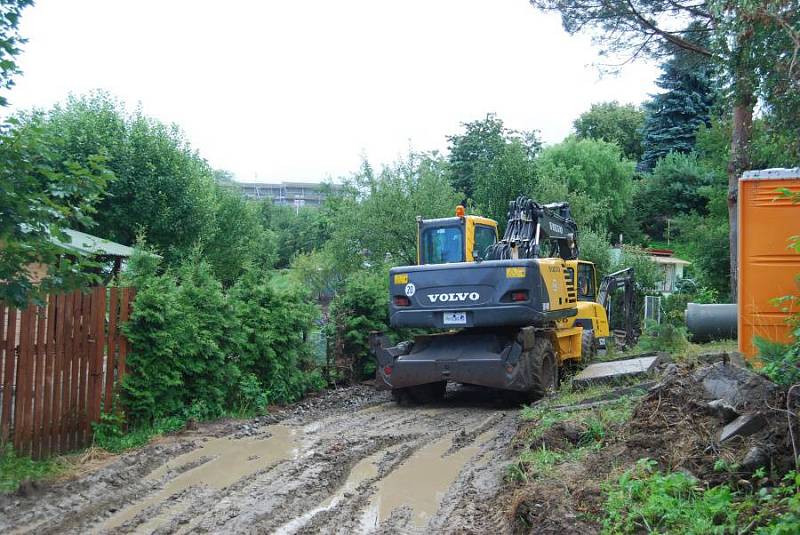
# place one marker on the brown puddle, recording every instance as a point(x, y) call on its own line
point(420, 482)
point(230, 461)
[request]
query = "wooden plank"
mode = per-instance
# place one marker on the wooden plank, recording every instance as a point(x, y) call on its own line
point(124, 314)
point(23, 403)
point(38, 383)
point(50, 351)
point(58, 377)
point(27, 435)
point(9, 372)
point(78, 344)
point(87, 349)
point(72, 348)
point(96, 359)
point(111, 351)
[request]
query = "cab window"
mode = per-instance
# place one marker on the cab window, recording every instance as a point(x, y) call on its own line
point(586, 289)
point(442, 245)
point(484, 237)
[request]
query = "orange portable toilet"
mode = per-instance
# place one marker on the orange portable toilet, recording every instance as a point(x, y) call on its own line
point(768, 268)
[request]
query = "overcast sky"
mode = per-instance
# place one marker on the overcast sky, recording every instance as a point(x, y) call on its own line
point(301, 89)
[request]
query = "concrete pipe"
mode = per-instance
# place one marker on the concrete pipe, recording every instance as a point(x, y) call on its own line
point(711, 322)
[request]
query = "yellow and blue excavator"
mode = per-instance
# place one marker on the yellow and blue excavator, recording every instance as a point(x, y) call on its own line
point(509, 312)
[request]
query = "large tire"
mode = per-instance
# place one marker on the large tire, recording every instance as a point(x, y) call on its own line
point(543, 369)
point(588, 346)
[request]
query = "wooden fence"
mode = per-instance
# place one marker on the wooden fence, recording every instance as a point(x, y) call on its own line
point(59, 365)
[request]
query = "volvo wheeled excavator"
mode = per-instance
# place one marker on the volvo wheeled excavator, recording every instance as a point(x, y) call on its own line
point(509, 313)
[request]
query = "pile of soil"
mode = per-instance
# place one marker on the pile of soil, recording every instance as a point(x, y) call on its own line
point(673, 425)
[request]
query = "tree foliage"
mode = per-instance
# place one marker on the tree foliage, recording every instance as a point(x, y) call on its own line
point(615, 123)
point(491, 164)
point(10, 41)
point(674, 116)
point(162, 187)
point(238, 237)
point(373, 219)
point(297, 230)
point(597, 172)
point(41, 194)
point(676, 186)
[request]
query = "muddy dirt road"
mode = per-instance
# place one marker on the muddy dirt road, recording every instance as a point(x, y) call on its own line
point(349, 461)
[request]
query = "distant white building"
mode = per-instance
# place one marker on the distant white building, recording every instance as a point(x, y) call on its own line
point(671, 266)
point(288, 193)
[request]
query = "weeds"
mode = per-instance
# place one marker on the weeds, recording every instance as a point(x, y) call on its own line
point(110, 434)
point(646, 500)
point(14, 469)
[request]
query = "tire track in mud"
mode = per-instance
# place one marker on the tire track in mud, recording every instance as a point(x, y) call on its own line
point(376, 467)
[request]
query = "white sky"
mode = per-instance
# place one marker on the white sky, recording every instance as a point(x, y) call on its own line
point(301, 89)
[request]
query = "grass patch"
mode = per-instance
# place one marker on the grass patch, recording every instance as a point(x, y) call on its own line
point(646, 500)
point(110, 434)
point(15, 469)
point(537, 459)
point(717, 346)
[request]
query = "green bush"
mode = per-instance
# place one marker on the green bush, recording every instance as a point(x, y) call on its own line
point(199, 353)
point(154, 384)
point(207, 373)
point(781, 361)
point(270, 336)
point(359, 308)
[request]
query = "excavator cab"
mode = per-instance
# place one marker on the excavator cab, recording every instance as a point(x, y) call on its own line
point(464, 238)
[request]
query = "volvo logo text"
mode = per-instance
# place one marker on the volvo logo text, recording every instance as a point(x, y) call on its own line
point(454, 297)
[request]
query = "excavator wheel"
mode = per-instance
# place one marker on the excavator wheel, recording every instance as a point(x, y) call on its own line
point(588, 346)
point(543, 369)
point(415, 395)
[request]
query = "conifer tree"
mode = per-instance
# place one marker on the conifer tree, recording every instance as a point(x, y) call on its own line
point(673, 117)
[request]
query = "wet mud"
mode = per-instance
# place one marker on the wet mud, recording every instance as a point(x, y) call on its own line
point(349, 461)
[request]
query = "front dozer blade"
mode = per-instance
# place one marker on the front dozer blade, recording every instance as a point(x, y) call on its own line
point(476, 358)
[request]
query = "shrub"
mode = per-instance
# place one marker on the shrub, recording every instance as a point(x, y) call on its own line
point(202, 330)
point(154, 384)
point(359, 308)
point(270, 337)
point(199, 353)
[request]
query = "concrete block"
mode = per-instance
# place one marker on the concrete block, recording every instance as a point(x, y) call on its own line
point(602, 372)
point(722, 410)
point(743, 426)
point(739, 387)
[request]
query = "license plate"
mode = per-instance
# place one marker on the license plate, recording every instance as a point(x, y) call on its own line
point(455, 318)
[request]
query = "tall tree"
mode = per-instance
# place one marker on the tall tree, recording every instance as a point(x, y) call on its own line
point(162, 187)
point(373, 216)
point(491, 164)
point(674, 116)
point(755, 44)
point(40, 194)
point(615, 123)
point(594, 176)
point(10, 41)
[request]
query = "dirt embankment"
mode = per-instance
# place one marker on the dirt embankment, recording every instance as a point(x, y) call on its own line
point(679, 424)
point(345, 462)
